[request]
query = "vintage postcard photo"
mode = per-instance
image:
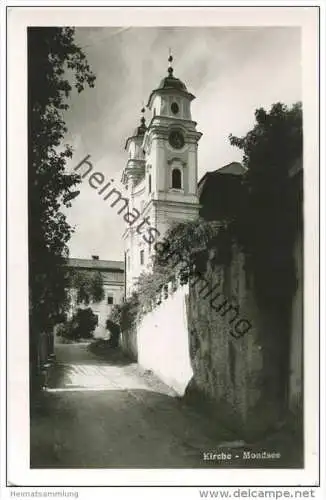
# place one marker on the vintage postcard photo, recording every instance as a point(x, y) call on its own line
point(171, 316)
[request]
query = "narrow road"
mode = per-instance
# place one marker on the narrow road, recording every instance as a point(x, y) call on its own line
point(106, 413)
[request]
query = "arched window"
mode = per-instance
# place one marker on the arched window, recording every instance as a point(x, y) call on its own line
point(149, 183)
point(176, 178)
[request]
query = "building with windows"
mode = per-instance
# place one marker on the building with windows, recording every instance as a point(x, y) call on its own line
point(113, 278)
point(160, 176)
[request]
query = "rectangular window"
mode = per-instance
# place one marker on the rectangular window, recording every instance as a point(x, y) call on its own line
point(110, 299)
point(142, 257)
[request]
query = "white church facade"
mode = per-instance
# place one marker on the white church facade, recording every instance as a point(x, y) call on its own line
point(161, 174)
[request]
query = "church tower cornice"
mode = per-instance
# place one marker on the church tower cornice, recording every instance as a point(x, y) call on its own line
point(161, 131)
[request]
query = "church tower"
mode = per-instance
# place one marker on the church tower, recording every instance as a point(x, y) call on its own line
point(170, 146)
point(161, 172)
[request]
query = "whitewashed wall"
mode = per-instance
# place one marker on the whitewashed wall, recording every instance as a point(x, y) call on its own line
point(163, 343)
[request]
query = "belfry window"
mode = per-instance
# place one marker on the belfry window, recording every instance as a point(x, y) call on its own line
point(176, 178)
point(174, 108)
point(149, 183)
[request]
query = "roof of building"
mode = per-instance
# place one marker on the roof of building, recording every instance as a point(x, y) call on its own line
point(104, 265)
point(233, 168)
point(236, 169)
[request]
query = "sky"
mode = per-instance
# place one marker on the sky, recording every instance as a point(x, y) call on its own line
point(231, 71)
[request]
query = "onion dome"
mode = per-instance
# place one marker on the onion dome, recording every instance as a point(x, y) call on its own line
point(170, 82)
point(140, 130)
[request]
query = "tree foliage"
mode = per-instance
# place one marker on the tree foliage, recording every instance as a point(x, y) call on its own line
point(271, 147)
point(56, 66)
point(270, 210)
point(81, 325)
point(183, 252)
point(184, 240)
point(89, 286)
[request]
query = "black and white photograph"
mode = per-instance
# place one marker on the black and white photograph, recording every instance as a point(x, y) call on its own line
point(165, 241)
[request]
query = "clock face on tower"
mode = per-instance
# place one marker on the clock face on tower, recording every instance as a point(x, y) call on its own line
point(176, 139)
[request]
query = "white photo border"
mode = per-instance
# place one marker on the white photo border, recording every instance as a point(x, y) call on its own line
point(59, 13)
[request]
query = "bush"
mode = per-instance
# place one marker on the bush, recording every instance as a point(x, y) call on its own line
point(125, 314)
point(114, 330)
point(81, 325)
point(61, 330)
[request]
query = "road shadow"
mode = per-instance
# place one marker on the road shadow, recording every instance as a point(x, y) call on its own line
point(117, 429)
point(111, 355)
point(62, 370)
point(59, 374)
point(94, 352)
